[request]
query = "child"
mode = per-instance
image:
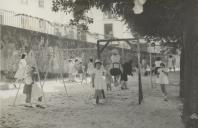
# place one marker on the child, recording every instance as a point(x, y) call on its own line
point(90, 67)
point(28, 89)
point(20, 73)
point(108, 79)
point(36, 90)
point(28, 80)
point(163, 79)
point(98, 81)
point(127, 70)
point(115, 66)
point(148, 70)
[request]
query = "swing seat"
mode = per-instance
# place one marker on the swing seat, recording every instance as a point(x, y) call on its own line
point(115, 70)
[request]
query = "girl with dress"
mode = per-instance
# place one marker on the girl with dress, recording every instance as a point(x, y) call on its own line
point(116, 68)
point(98, 81)
point(90, 67)
point(20, 73)
point(163, 80)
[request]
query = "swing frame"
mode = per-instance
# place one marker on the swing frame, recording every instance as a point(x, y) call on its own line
point(129, 41)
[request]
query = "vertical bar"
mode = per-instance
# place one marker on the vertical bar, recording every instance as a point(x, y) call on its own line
point(98, 49)
point(139, 73)
point(0, 49)
point(150, 58)
point(39, 77)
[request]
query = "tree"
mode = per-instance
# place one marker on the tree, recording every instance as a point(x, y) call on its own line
point(175, 19)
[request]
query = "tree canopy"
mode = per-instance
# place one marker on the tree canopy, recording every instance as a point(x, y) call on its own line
point(161, 18)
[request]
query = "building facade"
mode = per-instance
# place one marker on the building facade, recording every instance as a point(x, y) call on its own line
point(37, 15)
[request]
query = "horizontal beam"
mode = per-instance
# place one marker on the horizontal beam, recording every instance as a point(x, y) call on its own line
point(112, 40)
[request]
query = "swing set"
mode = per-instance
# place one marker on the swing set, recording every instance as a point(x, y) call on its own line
point(129, 41)
point(42, 83)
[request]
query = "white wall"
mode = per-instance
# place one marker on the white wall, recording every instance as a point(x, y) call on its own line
point(120, 29)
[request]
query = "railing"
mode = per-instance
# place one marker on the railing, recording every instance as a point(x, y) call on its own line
point(28, 22)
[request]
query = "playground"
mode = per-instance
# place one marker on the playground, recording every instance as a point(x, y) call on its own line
point(78, 109)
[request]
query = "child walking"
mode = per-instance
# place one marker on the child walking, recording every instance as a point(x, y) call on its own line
point(163, 80)
point(98, 82)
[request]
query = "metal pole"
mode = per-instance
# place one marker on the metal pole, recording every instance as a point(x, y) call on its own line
point(150, 56)
point(17, 94)
point(0, 49)
point(61, 73)
point(98, 49)
point(139, 73)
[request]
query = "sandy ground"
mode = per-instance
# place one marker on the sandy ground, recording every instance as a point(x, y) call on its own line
point(78, 110)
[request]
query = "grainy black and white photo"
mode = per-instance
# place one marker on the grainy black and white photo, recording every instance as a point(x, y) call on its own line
point(98, 63)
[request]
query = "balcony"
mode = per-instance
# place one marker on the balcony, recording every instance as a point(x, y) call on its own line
point(24, 21)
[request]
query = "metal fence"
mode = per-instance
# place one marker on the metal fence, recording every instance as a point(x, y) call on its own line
point(28, 22)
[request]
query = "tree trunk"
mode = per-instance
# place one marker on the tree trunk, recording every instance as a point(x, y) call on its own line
point(191, 64)
point(182, 60)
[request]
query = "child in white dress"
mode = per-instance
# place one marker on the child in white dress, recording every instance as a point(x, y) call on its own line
point(163, 80)
point(20, 73)
point(98, 81)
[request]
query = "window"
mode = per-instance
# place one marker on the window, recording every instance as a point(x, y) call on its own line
point(108, 30)
point(25, 2)
point(42, 25)
point(109, 15)
point(41, 3)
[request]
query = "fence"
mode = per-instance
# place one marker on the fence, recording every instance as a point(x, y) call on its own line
point(23, 21)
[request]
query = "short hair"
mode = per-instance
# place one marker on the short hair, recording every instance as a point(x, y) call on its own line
point(22, 56)
point(162, 64)
point(91, 60)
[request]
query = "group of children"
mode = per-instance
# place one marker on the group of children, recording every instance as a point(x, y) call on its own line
point(101, 77)
point(27, 75)
point(75, 68)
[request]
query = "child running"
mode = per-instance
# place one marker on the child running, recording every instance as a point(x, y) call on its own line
point(163, 80)
point(98, 81)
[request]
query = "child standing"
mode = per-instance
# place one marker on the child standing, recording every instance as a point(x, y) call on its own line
point(30, 88)
point(108, 78)
point(28, 80)
point(163, 80)
point(98, 81)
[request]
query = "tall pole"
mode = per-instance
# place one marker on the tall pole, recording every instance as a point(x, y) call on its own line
point(98, 49)
point(139, 72)
point(150, 58)
point(0, 50)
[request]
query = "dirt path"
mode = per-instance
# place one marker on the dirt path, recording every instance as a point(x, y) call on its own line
point(79, 111)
